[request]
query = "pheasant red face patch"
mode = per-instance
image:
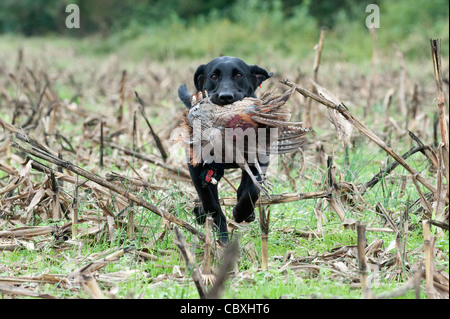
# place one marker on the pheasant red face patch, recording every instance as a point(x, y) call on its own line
point(241, 122)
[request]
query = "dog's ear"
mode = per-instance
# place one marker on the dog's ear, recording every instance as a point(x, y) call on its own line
point(260, 74)
point(199, 77)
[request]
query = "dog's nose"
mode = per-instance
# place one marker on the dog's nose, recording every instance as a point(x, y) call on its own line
point(226, 98)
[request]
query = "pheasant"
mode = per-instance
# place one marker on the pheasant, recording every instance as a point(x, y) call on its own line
point(244, 133)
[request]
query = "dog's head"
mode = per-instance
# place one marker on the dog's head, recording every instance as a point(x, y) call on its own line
point(229, 79)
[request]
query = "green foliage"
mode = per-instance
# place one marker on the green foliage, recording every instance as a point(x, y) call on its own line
point(250, 29)
point(413, 21)
point(327, 12)
point(30, 17)
point(37, 17)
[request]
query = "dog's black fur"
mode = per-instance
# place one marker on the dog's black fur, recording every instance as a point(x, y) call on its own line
point(227, 80)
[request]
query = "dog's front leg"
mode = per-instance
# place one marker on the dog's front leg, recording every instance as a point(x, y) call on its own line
point(209, 196)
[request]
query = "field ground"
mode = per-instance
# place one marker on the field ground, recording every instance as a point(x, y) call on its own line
point(60, 95)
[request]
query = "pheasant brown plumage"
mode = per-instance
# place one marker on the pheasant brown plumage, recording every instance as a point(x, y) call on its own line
point(215, 132)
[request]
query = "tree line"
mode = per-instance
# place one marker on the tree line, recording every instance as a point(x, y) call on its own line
point(43, 17)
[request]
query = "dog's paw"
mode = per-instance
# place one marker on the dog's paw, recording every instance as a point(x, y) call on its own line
point(200, 215)
point(239, 218)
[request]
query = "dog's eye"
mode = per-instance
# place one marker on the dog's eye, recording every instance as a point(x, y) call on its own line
point(214, 77)
point(238, 75)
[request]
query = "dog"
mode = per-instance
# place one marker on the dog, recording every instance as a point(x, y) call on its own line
point(226, 80)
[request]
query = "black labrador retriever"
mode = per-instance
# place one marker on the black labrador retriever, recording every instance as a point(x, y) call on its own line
point(227, 80)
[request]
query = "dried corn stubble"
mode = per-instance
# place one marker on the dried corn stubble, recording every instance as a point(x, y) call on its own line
point(29, 195)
